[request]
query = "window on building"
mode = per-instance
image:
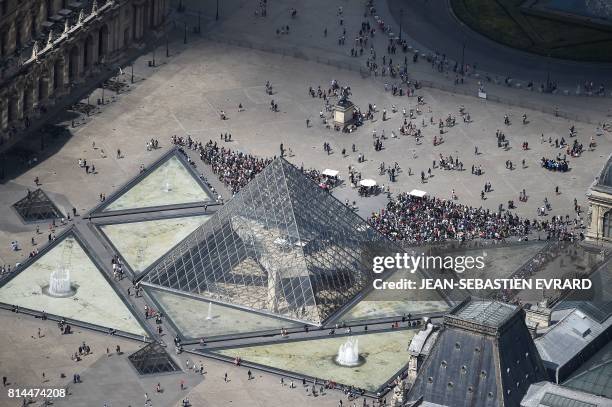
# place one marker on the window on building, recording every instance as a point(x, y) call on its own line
point(607, 224)
point(33, 26)
point(3, 43)
point(18, 27)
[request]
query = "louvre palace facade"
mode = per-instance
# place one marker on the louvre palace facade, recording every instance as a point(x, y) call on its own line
point(49, 48)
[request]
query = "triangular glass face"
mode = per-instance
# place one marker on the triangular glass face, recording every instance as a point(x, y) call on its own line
point(153, 359)
point(281, 245)
point(65, 282)
point(196, 318)
point(170, 183)
point(142, 243)
point(380, 357)
point(37, 206)
point(499, 262)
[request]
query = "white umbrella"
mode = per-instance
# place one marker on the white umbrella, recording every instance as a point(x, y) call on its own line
point(367, 182)
point(330, 173)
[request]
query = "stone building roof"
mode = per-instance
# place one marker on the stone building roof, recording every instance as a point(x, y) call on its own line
point(569, 338)
point(604, 181)
point(484, 356)
point(549, 394)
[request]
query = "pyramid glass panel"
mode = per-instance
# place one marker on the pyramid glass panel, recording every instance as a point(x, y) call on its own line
point(282, 245)
point(88, 298)
point(37, 206)
point(196, 318)
point(384, 355)
point(153, 359)
point(499, 262)
point(141, 243)
point(171, 183)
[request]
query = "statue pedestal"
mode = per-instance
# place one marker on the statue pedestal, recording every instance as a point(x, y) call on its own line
point(343, 113)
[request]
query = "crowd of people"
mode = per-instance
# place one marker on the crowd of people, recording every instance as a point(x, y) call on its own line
point(415, 220)
point(555, 165)
point(235, 169)
point(418, 220)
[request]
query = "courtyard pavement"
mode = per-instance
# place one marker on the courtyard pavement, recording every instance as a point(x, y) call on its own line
point(434, 24)
point(184, 94)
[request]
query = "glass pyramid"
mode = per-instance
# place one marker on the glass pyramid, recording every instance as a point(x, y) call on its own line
point(141, 243)
point(37, 206)
point(194, 320)
point(384, 355)
point(168, 182)
point(94, 300)
point(153, 359)
point(282, 245)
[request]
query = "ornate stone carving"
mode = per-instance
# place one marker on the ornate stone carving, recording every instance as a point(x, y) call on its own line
point(400, 391)
point(35, 50)
point(66, 28)
point(50, 39)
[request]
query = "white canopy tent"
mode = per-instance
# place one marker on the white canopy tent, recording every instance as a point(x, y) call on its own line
point(367, 182)
point(418, 193)
point(330, 173)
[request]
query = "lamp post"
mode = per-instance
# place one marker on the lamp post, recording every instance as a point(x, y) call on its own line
point(132, 78)
point(185, 38)
point(217, 15)
point(167, 44)
point(154, 47)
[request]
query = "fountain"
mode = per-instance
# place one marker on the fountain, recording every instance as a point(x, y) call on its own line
point(59, 284)
point(209, 316)
point(167, 186)
point(348, 353)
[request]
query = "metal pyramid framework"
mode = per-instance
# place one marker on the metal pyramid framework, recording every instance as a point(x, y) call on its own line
point(282, 245)
point(37, 206)
point(153, 359)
